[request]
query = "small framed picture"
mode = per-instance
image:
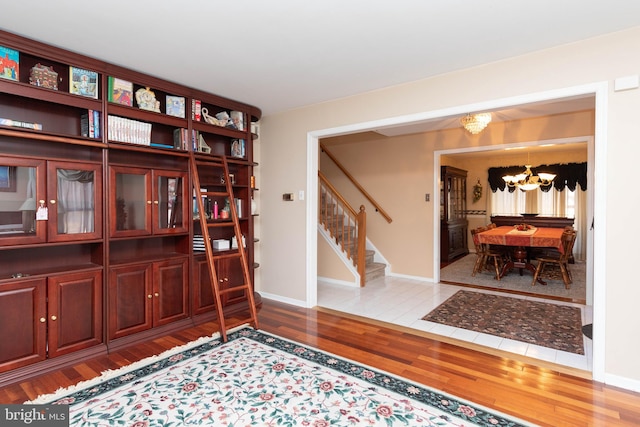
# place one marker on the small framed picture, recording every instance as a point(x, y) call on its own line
point(10, 61)
point(237, 148)
point(83, 82)
point(175, 106)
point(120, 91)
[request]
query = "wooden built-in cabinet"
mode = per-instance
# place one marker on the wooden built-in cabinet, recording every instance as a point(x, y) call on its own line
point(97, 217)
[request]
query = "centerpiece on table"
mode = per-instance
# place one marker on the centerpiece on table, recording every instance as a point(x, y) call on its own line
point(523, 229)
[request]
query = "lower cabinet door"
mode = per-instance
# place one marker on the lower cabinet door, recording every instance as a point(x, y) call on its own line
point(23, 320)
point(203, 300)
point(145, 295)
point(230, 275)
point(130, 297)
point(170, 280)
point(74, 312)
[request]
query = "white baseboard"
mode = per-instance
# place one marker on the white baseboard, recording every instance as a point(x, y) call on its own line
point(622, 382)
point(406, 276)
point(338, 282)
point(285, 300)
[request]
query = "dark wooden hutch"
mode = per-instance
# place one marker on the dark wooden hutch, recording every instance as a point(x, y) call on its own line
point(96, 227)
point(453, 213)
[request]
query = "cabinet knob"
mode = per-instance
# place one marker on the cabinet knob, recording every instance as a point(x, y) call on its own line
point(54, 318)
point(52, 201)
point(42, 320)
point(149, 296)
point(156, 294)
point(149, 202)
point(155, 202)
point(226, 279)
point(41, 202)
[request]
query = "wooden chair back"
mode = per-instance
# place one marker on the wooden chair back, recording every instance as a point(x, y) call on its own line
point(568, 240)
point(480, 248)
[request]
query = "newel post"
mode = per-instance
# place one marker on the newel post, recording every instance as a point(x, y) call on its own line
point(362, 244)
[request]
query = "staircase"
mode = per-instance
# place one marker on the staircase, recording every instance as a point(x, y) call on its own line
point(347, 228)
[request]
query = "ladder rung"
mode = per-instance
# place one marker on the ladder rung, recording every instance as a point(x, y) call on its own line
point(227, 256)
point(249, 320)
point(236, 288)
point(213, 193)
point(209, 162)
point(219, 224)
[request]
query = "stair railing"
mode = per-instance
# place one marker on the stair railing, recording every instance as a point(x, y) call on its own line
point(360, 188)
point(344, 224)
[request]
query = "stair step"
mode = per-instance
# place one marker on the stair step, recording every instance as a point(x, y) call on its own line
point(368, 256)
point(374, 270)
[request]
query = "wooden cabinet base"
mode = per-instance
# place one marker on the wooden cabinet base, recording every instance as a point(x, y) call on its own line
point(50, 365)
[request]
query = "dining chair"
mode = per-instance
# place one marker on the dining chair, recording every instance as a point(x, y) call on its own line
point(484, 254)
point(556, 267)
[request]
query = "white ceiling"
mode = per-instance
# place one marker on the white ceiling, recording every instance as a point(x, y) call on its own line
point(284, 54)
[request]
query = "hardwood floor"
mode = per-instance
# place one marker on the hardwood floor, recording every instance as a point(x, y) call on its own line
point(539, 395)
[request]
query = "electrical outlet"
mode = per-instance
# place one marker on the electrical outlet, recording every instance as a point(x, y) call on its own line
point(287, 197)
point(427, 197)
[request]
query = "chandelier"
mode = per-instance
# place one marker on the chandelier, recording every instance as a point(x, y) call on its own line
point(527, 180)
point(475, 123)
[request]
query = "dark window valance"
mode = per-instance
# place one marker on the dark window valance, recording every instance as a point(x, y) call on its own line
point(567, 175)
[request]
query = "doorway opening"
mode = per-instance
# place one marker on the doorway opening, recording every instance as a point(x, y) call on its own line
point(598, 90)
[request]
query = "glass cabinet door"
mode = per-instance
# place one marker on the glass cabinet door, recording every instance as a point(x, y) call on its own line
point(74, 201)
point(130, 201)
point(169, 203)
point(22, 189)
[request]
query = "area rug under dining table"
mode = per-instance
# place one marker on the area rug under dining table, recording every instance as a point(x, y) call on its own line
point(545, 324)
point(260, 379)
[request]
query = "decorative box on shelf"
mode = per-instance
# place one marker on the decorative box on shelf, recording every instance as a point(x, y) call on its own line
point(220, 244)
point(43, 76)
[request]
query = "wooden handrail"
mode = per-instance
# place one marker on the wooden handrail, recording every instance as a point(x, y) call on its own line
point(360, 188)
point(344, 224)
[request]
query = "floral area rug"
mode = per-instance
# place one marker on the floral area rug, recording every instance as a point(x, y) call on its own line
point(544, 324)
point(258, 379)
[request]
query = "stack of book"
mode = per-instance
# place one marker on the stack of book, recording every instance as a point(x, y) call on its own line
point(198, 243)
point(127, 130)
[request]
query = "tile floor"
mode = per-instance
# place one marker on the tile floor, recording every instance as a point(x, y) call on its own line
point(404, 301)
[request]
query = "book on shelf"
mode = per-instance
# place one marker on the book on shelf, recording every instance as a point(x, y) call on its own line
point(9, 63)
point(120, 91)
point(175, 106)
point(83, 82)
point(196, 109)
point(158, 145)
point(180, 138)
point(90, 124)
point(20, 124)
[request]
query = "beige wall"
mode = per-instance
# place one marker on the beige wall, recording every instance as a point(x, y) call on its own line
point(284, 168)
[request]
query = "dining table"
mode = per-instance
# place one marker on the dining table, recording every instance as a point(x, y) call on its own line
point(520, 243)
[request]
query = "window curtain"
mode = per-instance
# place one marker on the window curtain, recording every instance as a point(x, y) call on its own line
point(75, 201)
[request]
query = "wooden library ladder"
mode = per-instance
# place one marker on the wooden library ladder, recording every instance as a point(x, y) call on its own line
point(206, 225)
